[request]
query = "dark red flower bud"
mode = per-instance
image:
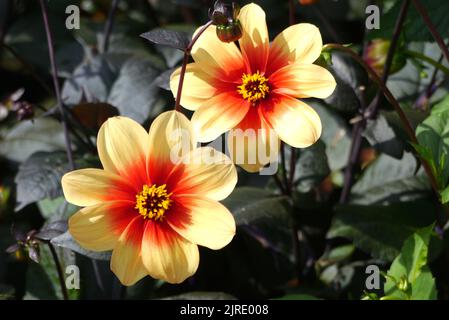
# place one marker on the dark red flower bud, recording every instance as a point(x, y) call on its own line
point(24, 110)
point(225, 17)
point(229, 33)
point(376, 56)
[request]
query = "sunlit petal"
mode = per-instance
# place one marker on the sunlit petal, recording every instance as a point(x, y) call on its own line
point(295, 122)
point(254, 43)
point(303, 81)
point(300, 43)
point(126, 260)
point(202, 221)
point(166, 255)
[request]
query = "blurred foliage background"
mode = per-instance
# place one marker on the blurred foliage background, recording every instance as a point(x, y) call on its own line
point(306, 245)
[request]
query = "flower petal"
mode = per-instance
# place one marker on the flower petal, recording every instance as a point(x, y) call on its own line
point(87, 187)
point(252, 143)
point(303, 81)
point(202, 221)
point(171, 137)
point(166, 255)
point(219, 59)
point(98, 227)
point(126, 261)
point(255, 43)
point(295, 122)
point(218, 115)
point(207, 172)
point(300, 43)
point(197, 87)
point(121, 143)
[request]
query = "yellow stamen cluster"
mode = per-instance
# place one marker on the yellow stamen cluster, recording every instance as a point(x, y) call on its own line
point(254, 87)
point(152, 202)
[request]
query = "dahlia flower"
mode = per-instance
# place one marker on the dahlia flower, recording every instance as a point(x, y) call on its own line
point(255, 86)
point(154, 201)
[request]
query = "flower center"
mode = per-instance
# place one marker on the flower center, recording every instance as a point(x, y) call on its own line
point(254, 87)
point(152, 202)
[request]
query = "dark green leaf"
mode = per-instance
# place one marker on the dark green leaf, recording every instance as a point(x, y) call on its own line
point(249, 204)
point(66, 240)
point(335, 135)
point(39, 177)
point(28, 137)
point(69, 57)
point(172, 55)
point(91, 80)
point(349, 76)
point(311, 167)
point(388, 180)
point(410, 83)
point(39, 285)
point(27, 36)
point(383, 138)
point(415, 29)
point(381, 230)
point(175, 39)
point(163, 80)
point(52, 230)
point(42, 278)
point(262, 215)
point(135, 90)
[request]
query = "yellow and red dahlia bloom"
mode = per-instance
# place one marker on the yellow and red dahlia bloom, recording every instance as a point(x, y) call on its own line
point(155, 199)
point(256, 85)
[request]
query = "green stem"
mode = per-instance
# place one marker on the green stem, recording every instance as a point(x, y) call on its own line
point(425, 58)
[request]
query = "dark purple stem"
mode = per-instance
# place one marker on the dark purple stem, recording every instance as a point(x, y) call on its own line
point(352, 162)
point(185, 60)
point(372, 110)
point(59, 270)
point(54, 69)
point(424, 14)
point(279, 184)
point(108, 26)
point(291, 12)
point(284, 170)
point(291, 179)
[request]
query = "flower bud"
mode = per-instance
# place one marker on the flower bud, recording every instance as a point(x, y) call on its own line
point(229, 33)
point(24, 110)
point(225, 17)
point(376, 56)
